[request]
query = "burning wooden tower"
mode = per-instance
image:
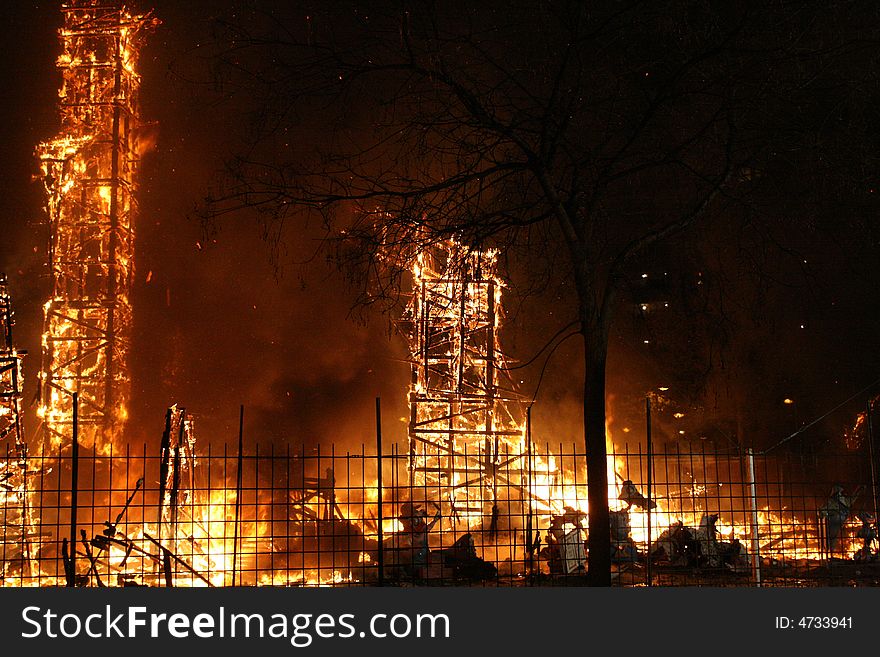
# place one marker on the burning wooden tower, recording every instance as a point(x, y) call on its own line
point(466, 421)
point(90, 173)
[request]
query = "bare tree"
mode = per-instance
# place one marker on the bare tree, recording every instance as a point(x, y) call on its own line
point(591, 131)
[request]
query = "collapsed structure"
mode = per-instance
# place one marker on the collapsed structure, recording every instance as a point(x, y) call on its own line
point(89, 173)
point(187, 545)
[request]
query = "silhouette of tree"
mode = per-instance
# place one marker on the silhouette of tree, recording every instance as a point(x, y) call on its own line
point(575, 136)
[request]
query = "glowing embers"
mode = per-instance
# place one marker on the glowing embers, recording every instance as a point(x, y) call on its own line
point(89, 172)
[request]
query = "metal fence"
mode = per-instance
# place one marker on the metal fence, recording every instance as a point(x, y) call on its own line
point(266, 516)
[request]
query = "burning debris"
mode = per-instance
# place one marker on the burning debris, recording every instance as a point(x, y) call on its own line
point(106, 539)
point(687, 547)
point(413, 560)
point(633, 496)
point(461, 558)
point(190, 544)
point(565, 549)
point(181, 499)
point(623, 548)
point(325, 537)
point(89, 172)
point(414, 551)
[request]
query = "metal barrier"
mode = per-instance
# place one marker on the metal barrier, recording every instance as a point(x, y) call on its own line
point(282, 518)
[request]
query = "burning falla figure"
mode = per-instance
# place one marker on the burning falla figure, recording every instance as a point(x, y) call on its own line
point(416, 527)
point(623, 548)
point(565, 551)
point(835, 512)
point(680, 545)
point(634, 497)
point(868, 533)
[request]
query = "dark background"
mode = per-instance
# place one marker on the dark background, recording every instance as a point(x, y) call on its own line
point(226, 319)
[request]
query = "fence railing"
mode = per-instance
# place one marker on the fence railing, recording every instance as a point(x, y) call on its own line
point(722, 517)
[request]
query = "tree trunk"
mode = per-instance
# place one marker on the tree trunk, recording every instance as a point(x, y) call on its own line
point(595, 317)
point(599, 542)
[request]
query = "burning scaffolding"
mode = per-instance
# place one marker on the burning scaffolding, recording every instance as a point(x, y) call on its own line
point(16, 517)
point(466, 420)
point(90, 175)
point(11, 371)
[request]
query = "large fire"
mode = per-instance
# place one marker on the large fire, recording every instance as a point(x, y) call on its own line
point(477, 489)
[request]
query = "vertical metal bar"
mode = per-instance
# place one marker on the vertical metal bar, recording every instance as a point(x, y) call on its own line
point(43, 487)
point(271, 512)
point(254, 515)
point(74, 490)
point(650, 483)
point(380, 536)
point(237, 494)
point(59, 466)
point(462, 328)
point(4, 520)
point(143, 518)
point(364, 503)
point(320, 506)
point(490, 343)
point(753, 496)
point(529, 539)
point(872, 456)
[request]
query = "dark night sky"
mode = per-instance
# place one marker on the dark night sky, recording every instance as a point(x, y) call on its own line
point(215, 327)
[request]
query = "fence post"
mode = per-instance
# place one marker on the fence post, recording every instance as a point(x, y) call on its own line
point(74, 491)
point(649, 446)
point(753, 499)
point(238, 492)
point(529, 529)
point(380, 536)
point(873, 456)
